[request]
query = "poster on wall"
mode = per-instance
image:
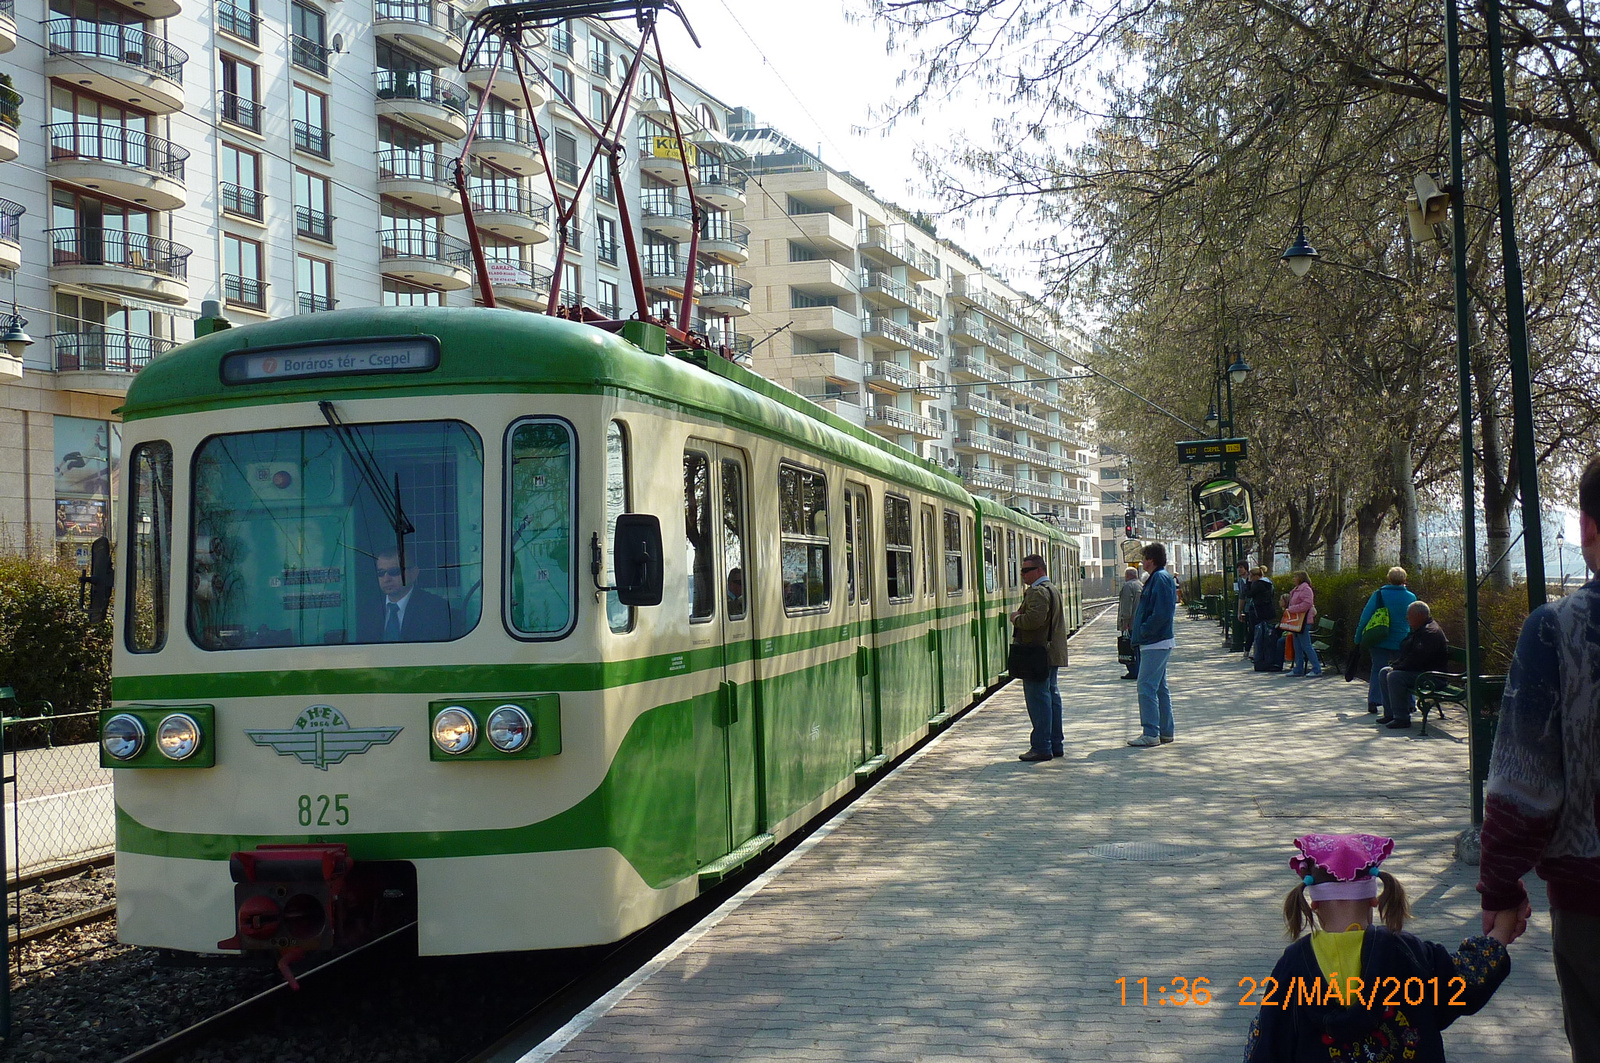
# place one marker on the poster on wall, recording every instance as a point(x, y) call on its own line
point(80, 518)
point(88, 459)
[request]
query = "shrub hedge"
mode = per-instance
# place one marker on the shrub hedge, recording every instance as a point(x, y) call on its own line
point(49, 650)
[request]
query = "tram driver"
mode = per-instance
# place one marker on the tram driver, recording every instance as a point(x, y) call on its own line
point(409, 614)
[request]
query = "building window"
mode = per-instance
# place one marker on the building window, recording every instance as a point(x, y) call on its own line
point(571, 285)
point(798, 206)
point(605, 185)
point(241, 283)
point(307, 38)
point(608, 296)
point(599, 104)
point(803, 535)
point(313, 285)
point(241, 183)
point(240, 93)
point(897, 548)
point(799, 299)
point(399, 293)
point(561, 39)
point(566, 88)
point(313, 217)
point(240, 20)
point(802, 253)
point(566, 146)
point(311, 122)
point(600, 57)
point(605, 240)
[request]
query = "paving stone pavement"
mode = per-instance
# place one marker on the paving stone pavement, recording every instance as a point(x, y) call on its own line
point(962, 912)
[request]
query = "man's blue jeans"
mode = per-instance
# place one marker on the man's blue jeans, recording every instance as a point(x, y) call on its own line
point(1044, 712)
point(1155, 700)
point(1400, 688)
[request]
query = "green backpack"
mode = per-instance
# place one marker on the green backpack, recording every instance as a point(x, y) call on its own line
point(1378, 626)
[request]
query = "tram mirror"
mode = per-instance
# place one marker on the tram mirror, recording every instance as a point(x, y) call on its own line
point(637, 554)
point(98, 580)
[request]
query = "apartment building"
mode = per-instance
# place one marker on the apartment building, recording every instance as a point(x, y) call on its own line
point(859, 306)
point(287, 157)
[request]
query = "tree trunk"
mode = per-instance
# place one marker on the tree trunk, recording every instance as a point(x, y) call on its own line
point(1338, 519)
point(1499, 490)
point(1403, 474)
point(1369, 521)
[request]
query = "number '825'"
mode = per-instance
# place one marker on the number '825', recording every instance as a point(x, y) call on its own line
point(324, 810)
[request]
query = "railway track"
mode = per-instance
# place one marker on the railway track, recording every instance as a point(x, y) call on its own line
point(18, 934)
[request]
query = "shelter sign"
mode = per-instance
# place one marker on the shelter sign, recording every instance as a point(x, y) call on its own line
point(1199, 450)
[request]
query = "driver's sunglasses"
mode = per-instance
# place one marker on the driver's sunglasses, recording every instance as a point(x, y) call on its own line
point(388, 572)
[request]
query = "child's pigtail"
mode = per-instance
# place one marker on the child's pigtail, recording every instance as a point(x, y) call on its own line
point(1296, 911)
point(1392, 906)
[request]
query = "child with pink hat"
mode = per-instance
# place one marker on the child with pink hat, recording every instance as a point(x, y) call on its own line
point(1350, 990)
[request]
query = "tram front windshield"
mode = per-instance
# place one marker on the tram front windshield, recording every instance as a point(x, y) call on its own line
point(337, 534)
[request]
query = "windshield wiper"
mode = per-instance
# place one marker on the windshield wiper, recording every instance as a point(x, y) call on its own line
point(372, 476)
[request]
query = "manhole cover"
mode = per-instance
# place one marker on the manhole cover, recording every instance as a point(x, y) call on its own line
point(1145, 852)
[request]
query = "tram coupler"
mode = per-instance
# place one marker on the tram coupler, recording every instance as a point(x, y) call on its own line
point(291, 898)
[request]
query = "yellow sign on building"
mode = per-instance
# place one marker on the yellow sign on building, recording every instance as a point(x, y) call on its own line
point(672, 148)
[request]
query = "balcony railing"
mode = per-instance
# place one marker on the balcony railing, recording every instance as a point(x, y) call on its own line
point(499, 125)
point(600, 65)
point(893, 372)
point(662, 203)
point(11, 220)
point(431, 246)
point(720, 173)
point(423, 164)
point(313, 140)
point(561, 41)
point(117, 144)
point(242, 112)
point(606, 251)
point(905, 420)
point(423, 86)
point(605, 189)
point(114, 352)
point(509, 197)
point(716, 284)
point(245, 202)
point(244, 291)
point(718, 227)
point(10, 106)
point(439, 16)
point(306, 303)
point(239, 21)
point(122, 44)
point(662, 265)
point(114, 247)
point(987, 478)
point(313, 224)
point(308, 54)
point(877, 324)
point(511, 273)
point(567, 171)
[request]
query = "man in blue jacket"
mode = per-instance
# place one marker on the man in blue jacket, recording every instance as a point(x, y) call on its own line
point(1152, 634)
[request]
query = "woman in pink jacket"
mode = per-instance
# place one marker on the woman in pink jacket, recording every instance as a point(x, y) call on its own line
point(1303, 600)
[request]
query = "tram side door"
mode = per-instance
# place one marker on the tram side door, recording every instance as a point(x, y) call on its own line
point(726, 725)
point(858, 611)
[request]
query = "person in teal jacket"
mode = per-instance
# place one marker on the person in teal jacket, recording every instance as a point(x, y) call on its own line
point(1397, 598)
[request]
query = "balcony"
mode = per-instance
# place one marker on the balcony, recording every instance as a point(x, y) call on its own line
point(239, 110)
point(310, 303)
point(826, 323)
point(248, 293)
point(561, 41)
point(313, 224)
point(10, 122)
point(126, 163)
point(600, 65)
point(308, 54)
point(426, 257)
point(421, 178)
point(509, 142)
point(892, 376)
point(8, 26)
point(882, 332)
point(986, 479)
point(662, 156)
point(507, 209)
point(883, 244)
point(884, 290)
point(433, 29)
point(882, 415)
point(823, 231)
point(239, 22)
point(123, 63)
point(103, 363)
point(127, 262)
point(313, 140)
point(518, 286)
point(505, 86)
point(242, 202)
point(660, 212)
point(423, 99)
point(11, 234)
point(725, 296)
point(724, 240)
point(984, 443)
point(719, 185)
point(821, 277)
point(663, 272)
point(964, 362)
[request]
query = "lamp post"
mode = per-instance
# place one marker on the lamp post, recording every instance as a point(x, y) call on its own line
point(1561, 557)
point(1220, 418)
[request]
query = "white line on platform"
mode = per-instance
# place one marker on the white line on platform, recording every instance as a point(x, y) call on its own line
point(64, 793)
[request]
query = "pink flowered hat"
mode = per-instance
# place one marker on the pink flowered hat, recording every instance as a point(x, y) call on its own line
point(1352, 860)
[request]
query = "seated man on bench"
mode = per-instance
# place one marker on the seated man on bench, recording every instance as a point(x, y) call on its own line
point(1425, 649)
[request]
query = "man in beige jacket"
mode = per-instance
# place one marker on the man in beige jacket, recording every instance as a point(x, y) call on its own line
point(1038, 621)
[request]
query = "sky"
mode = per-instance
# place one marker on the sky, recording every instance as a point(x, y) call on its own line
point(815, 76)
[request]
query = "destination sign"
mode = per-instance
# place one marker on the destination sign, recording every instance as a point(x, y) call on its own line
point(408, 354)
point(1199, 450)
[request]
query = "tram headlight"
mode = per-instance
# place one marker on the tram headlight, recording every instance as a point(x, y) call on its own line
point(122, 737)
point(509, 728)
point(178, 736)
point(454, 730)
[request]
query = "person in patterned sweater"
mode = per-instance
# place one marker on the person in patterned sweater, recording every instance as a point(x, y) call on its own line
point(1351, 991)
point(1543, 797)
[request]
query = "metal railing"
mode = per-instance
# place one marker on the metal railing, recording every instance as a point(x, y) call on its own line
point(430, 246)
point(313, 140)
point(117, 144)
point(715, 284)
point(662, 203)
point(425, 164)
point(498, 125)
point(112, 352)
point(122, 44)
point(239, 21)
point(245, 202)
point(306, 303)
point(567, 171)
point(11, 220)
point(244, 291)
point(606, 251)
point(561, 41)
point(63, 807)
point(437, 16)
point(509, 197)
point(308, 54)
point(10, 106)
point(718, 227)
point(424, 86)
point(907, 338)
point(605, 189)
point(720, 173)
point(114, 247)
point(658, 264)
point(314, 224)
point(242, 112)
point(600, 65)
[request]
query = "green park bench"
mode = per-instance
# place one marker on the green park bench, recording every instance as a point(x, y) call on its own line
point(1435, 690)
point(1322, 640)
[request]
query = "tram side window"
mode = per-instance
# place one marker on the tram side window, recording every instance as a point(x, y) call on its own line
point(698, 546)
point(335, 534)
point(541, 569)
point(150, 560)
point(619, 495)
point(897, 548)
point(929, 526)
point(803, 538)
point(734, 582)
point(954, 583)
point(991, 559)
point(1012, 566)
